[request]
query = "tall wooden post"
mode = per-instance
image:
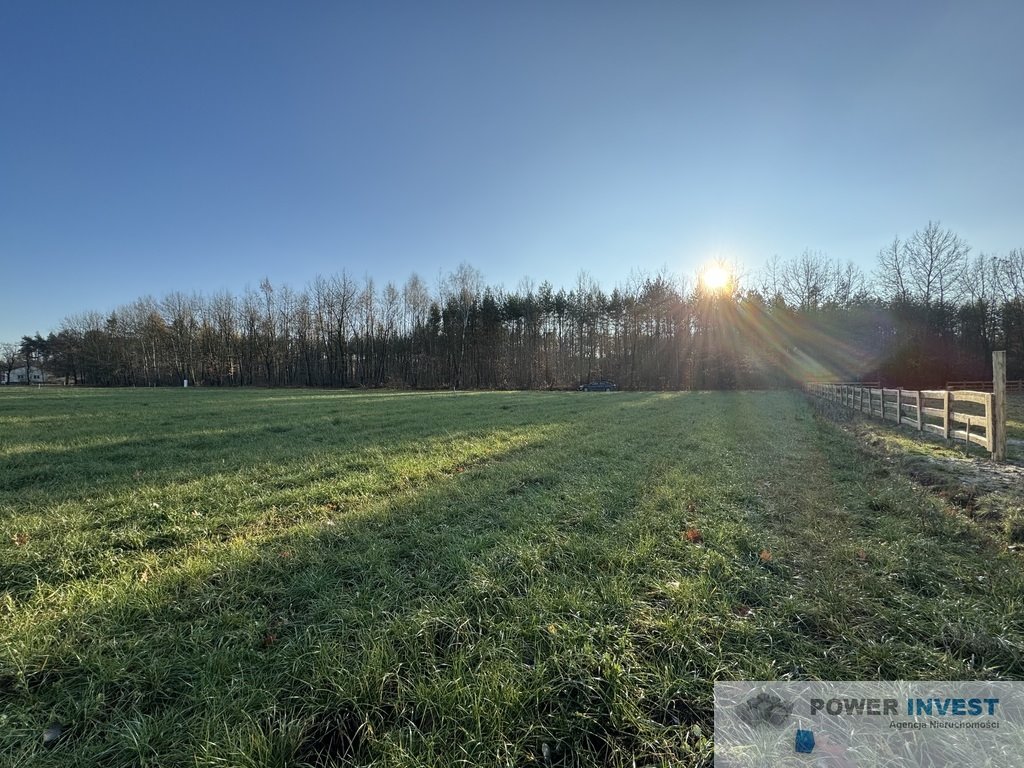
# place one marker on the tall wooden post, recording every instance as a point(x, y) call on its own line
point(999, 405)
point(946, 414)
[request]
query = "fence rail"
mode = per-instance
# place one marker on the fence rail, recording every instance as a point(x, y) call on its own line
point(985, 386)
point(952, 414)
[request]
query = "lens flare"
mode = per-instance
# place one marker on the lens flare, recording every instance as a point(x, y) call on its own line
point(715, 277)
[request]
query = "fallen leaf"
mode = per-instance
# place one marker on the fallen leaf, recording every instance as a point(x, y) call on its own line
point(693, 535)
point(862, 555)
point(20, 539)
point(766, 556)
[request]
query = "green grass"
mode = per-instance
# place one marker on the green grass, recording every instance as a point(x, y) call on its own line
point(289, 578)
point(1015, 416)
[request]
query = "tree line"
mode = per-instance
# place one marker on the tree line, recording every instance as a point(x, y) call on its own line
point(928, 312)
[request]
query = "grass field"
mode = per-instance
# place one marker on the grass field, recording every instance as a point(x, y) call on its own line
point(289, 578)
point(1015, 417)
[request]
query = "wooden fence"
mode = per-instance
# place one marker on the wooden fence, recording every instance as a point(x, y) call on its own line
point(954, 415)
point(985, 386)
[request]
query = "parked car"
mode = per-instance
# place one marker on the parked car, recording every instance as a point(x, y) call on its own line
point(600, 385)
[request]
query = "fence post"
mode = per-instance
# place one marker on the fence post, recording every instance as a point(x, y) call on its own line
point(946, 414)
point(990, 422)
point(920, 412)
point(899, 406)
point(999, 405)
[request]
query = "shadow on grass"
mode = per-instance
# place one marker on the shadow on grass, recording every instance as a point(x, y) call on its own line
point(540, 607)
point(140, 516)
point(169, 435)
point(479, 614)
point(915, 570)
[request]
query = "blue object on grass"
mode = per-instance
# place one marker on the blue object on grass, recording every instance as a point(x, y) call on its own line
point(804, 740)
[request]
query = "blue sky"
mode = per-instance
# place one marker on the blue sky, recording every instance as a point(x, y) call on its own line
point(196, 146)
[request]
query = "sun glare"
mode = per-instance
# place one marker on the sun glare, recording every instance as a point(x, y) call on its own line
point(715, 277)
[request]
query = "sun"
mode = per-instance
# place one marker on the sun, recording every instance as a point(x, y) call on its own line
point(715, 277)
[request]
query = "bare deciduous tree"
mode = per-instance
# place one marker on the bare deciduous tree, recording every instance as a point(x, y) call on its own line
point(9, 358)
point(892, 275)
point(936, 260)
point(806, 279)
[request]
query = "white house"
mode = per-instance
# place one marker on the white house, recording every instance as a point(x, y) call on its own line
point(35, 376)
